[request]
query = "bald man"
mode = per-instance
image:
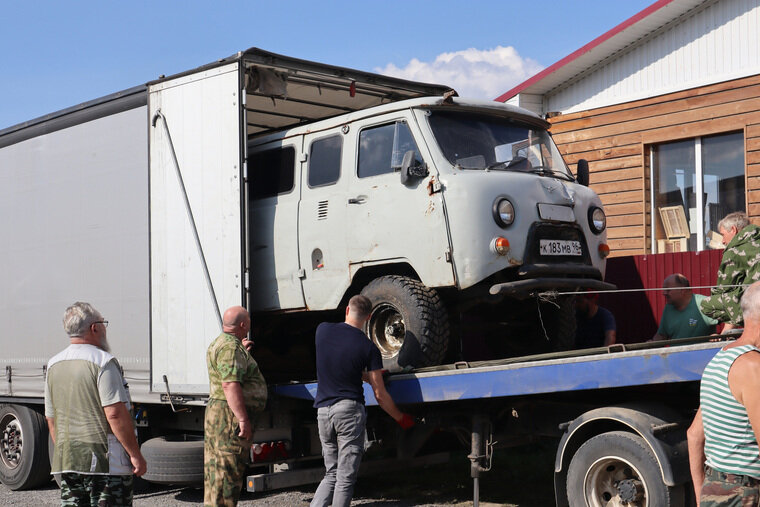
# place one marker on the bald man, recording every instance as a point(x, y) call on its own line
point(681, 317)
point(237, 393)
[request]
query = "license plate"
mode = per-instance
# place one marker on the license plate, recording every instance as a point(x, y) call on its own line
point(560, 247)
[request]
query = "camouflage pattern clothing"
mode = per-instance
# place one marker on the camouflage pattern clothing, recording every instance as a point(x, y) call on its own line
point(79, 490)
point(740, 265)
point(226, 455)
point(729, 490)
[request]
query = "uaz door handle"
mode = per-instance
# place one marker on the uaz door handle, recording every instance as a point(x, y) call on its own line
point(358, 200)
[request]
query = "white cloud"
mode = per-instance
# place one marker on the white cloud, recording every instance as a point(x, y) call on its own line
point(475, 73)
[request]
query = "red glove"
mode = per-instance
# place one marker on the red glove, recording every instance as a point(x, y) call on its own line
point(406, 421)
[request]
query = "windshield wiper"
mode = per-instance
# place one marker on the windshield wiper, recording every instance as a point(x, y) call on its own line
point(511, 163)
point(539, 169)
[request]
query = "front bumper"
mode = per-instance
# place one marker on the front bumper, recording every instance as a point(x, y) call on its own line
point(545, 277)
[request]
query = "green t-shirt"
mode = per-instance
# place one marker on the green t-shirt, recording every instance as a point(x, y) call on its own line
point(228, 361)
point(686, 323)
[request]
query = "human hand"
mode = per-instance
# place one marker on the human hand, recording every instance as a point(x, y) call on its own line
point(248, 344)
point(246, 432)
point(139, 465)
point(406, 421)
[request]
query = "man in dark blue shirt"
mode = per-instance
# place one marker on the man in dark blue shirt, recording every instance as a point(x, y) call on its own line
point(595, 325)
point(346, 357)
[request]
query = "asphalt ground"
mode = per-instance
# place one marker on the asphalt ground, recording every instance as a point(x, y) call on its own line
point(521, 477)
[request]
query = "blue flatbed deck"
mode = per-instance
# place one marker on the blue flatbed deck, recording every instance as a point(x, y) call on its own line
point(603, 369)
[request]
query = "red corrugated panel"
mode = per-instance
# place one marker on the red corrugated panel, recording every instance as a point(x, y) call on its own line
point(638, 313)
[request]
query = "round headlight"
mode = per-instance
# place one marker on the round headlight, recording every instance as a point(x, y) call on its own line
point(597, 220)
point(503, 213)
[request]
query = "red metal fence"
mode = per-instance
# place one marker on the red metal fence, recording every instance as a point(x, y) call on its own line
point(638, 313)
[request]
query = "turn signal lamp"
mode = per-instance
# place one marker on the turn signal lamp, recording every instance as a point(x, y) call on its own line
point(604, 250)
point(500, 246)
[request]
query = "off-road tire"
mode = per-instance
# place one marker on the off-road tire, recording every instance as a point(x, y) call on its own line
point(596, 469)
point(426, 323)
point(176, 459)
point(24, 462)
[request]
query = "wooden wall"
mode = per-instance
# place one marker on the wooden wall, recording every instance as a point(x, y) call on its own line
point(616, 140)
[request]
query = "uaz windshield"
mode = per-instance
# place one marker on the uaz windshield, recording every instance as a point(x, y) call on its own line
point(480, 141)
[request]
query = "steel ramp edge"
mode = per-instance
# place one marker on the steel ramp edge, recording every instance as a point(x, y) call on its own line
point(660, 365)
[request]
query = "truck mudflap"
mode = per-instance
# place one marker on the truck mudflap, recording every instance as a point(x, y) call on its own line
point(523, 288)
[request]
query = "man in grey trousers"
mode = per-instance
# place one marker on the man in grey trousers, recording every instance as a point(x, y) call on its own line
point(345, 357)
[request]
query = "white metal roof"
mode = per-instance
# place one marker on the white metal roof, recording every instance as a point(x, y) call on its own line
point(606, 46)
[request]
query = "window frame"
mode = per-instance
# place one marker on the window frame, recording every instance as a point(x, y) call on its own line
point(698, 187)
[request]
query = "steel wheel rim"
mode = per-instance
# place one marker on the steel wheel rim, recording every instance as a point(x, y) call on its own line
point(11, 441)
point(600, 486)
point(387, 329)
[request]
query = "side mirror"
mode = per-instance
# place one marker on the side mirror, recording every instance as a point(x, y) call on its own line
point(582, 175)
point(411, 168)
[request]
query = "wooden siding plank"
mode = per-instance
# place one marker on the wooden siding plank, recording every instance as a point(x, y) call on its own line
point(753, 210)
point(621, 197)
point(669, 107)
point(601, 143)
point(753, 157)
point(614, 163)
point(623, 220)
point(753, 170)
point(625, 244)
point(618, 186)
point(753, 183)
point(680, 118)
point(700, 128)
point(625, 209)
point(632, 231)
point(613, 152)
point(691, 92)
point(753, 130)
point(753, 144)
point(627, 252)
point(616, 174)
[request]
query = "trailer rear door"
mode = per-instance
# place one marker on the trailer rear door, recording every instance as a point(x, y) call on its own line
point(195, 220)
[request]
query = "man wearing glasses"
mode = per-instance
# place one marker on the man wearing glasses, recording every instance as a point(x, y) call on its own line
point(88, 413)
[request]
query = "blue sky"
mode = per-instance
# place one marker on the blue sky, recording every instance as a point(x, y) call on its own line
point(58, 54)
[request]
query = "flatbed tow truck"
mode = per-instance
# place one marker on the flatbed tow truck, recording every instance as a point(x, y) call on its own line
point(166, 202)
point(619, 413)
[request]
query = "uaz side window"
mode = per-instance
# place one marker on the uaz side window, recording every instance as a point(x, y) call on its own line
point(272, 172)
point(324, 161)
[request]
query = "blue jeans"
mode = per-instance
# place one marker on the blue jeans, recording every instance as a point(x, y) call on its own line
point(341, 431)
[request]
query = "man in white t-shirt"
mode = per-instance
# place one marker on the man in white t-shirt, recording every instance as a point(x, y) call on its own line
point(88, 413)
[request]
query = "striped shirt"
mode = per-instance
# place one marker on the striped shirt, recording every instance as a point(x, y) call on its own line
point(730, 444)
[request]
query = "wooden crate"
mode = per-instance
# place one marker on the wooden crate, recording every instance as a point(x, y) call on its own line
point(674, 221)
point(672, 245)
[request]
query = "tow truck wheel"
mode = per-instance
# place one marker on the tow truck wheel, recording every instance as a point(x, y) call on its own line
point(23, 447)
point(408, 323)
point(618, 469)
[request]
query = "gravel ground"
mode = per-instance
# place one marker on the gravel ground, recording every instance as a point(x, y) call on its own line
point(520, 478)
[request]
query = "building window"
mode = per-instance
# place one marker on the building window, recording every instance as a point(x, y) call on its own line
point(695, 183)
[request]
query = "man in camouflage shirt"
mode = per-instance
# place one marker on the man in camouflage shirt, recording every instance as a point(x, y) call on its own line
point(237, 393)
point(740, 265)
